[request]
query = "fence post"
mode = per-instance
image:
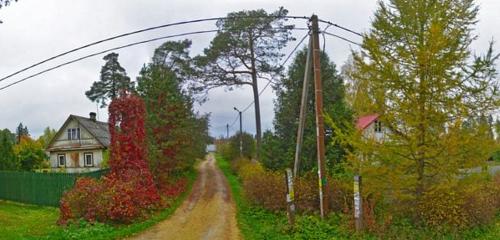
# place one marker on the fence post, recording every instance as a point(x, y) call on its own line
point(358, 203)
point(290, 195)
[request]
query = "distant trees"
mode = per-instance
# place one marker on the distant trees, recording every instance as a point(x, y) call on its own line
point(21, 131)
point(30, 154)
point(7, 157)
point(48, 135)
point(113, 80)
point(20, 152)
point(245, 49)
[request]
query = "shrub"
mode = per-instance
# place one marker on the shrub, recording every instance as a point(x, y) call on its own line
point(267, 189)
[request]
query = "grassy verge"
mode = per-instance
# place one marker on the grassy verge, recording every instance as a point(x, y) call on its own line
point(85, 230)
point(19, 221)
point(258, 223)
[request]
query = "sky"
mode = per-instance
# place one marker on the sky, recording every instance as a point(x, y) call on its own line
point(35, 30)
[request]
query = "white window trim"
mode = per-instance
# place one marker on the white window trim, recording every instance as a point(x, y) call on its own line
point(59, 160)
point(73, 133)
point(85, 159)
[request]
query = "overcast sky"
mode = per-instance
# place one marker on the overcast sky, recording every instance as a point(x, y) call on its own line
point(34, 30)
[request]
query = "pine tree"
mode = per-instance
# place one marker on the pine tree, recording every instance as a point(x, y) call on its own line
point(113, 80)
point(245, 49)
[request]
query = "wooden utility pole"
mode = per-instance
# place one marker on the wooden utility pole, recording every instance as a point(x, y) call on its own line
point(358, 203)
point(303, 109)
point(320, 128)
point(227, 131)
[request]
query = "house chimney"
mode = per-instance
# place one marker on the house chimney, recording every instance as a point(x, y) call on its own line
point(93, 116)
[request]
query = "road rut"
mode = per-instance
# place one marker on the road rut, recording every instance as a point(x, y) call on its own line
point(208, 213)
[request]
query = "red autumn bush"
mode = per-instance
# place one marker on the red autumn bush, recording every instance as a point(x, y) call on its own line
point(128, 192)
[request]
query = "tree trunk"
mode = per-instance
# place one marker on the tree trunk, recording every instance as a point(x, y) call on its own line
point(257, 114)
point(255, 98)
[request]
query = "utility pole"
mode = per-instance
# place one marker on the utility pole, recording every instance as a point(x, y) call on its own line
point(303, 109)
point(227, 131)
point(241, 132)
point(320, 128)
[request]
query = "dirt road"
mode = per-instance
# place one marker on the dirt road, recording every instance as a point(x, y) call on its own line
point(208, 213)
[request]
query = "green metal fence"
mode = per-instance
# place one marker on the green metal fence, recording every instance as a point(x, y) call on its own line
point(39, 188)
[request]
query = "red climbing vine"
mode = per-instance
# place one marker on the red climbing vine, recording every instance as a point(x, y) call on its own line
point(128, 192)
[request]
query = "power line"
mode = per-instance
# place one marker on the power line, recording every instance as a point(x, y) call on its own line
point(109, 50)
point(341, 27)
point(135, 32)
point(104, 51)
point(343, 38)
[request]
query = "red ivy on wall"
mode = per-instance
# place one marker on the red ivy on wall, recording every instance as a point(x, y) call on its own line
point(128, 192)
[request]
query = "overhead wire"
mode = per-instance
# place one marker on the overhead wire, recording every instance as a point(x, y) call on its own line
point(102, 52)
point(340, 27)
point(132, 33)
point(109, 50)
point(343, 38)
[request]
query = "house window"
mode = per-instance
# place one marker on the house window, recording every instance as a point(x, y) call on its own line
point(89, 159)
point(378, 126)
point(61, 159)
point(73, 133)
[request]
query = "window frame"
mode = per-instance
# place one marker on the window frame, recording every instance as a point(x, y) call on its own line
point(63, 155)
point(378, 126)
point(73, 133)
point(91, 154)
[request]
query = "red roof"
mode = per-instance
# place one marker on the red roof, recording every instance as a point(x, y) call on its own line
point(365, 121)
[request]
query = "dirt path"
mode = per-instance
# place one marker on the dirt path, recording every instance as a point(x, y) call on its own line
point(208, 213)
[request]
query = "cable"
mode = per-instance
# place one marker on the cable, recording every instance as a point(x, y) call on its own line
point(343, 28)
point(105, 51)
point(281, 65)
point(343, 38)
point(132, 33)
point(101, 52)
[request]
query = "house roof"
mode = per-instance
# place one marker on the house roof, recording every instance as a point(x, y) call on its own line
point(96, 128)
point(363, 122)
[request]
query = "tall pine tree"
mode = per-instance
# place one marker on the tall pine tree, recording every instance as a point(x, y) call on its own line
point(113, 80)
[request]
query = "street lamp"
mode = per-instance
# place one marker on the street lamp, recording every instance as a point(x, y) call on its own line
point(241, 132)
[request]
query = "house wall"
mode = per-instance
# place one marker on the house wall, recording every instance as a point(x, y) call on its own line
point(75, 160)
point(85, 137)
point(369, 132)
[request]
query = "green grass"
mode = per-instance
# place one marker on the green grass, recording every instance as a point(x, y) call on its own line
point(18, 221)
point(21, 221)
point(258, 223)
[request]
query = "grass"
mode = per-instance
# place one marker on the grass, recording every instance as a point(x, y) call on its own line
point(20, 221)
point(258, 223)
